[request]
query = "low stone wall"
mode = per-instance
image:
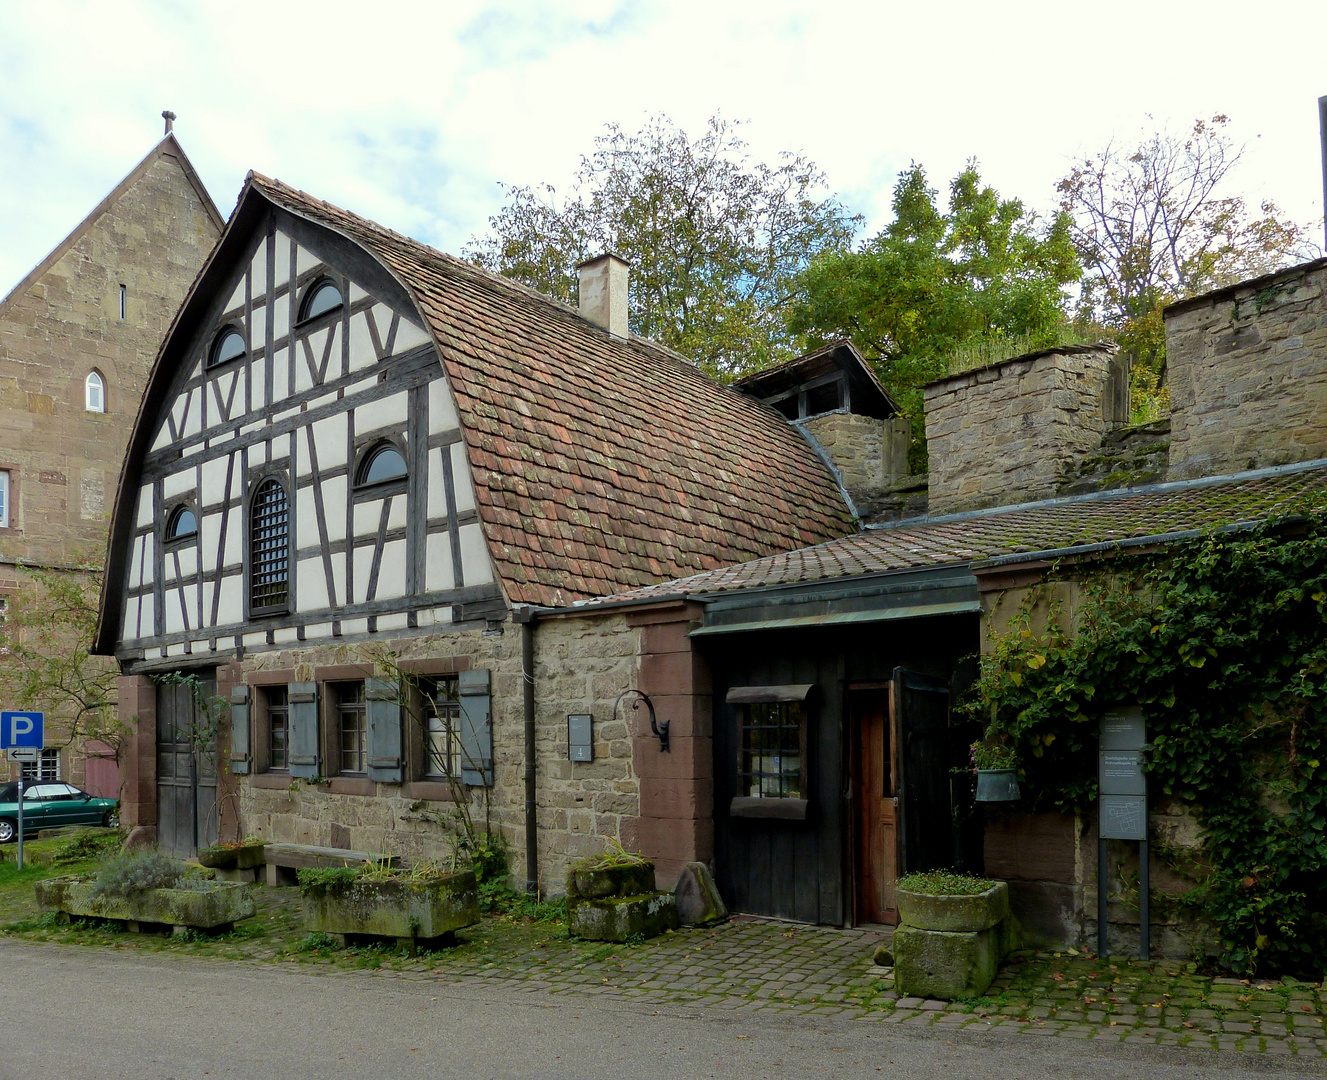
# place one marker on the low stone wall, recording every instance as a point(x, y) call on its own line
point(1247, 371)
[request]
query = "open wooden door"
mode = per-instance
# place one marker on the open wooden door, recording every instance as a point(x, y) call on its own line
point(874, 779)
point(920, 708)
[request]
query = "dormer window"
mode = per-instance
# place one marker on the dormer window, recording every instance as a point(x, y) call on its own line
point(181, 524)
point(383, 463)
point(94, 393)
point(228, 346)
point(323, 296)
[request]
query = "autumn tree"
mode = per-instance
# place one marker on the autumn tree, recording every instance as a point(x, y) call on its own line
point(1157, 221)
point(983, 278)
point(714, 237)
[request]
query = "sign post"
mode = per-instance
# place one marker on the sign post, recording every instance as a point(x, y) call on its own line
point(23, 734)
point(1122, 811)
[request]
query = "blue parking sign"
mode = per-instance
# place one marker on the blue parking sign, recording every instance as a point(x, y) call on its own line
point(22, 729)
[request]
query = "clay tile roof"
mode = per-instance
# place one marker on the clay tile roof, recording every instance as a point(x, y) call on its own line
point(600, 464)
point(1054, 525)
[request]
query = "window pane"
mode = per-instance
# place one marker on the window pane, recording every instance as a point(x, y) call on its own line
point(324, 298)
point(183, 523)
point(442, 720)
point(278, 726)
point(771, 761)
point(350, 711)
point(4, 499)
point(270, 547)
point(229, 346)
point(96, 393)
point(385, 464)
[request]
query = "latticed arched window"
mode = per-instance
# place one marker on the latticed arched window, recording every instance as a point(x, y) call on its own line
point(269, 548)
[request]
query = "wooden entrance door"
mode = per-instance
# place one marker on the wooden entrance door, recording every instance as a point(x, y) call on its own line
point(875, 784)
point(186, 781)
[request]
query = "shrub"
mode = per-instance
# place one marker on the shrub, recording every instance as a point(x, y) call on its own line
point(944, 883)
point(136, 871)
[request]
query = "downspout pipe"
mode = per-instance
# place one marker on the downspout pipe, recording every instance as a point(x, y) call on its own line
point(528, 619)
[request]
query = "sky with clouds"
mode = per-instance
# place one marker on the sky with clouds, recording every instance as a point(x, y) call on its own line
point(414, 113)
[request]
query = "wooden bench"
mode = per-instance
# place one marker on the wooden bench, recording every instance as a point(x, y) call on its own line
point(283, 860)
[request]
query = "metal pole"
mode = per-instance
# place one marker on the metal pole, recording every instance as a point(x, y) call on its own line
point(1143, 905)
point(20, 816)
point(1102, 943)
point(1322, 130)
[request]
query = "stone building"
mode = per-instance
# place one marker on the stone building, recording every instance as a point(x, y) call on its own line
point(77, 337)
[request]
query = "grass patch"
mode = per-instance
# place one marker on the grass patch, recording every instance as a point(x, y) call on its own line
point(944, 883)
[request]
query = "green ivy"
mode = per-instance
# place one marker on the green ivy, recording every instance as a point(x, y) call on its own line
point(1223, 642)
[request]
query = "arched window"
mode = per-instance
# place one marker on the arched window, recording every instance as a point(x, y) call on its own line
point(181, 523)
point(269, 547)
point(323, 296)
point(384, 462)
point(228, 346)
point(94, 392)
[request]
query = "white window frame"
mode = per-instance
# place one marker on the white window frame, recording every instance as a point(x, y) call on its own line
point(45, 771)
point(94, 392)
point(4, 498)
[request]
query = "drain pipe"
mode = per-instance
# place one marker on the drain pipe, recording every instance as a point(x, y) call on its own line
point(528, 617)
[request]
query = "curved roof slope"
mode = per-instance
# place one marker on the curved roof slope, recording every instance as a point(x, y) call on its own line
point(1054, 526)
point(600, 464)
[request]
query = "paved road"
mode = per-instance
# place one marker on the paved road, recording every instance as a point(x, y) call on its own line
point(84, 1014)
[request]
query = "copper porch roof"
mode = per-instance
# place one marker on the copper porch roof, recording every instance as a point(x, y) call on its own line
point(1053, 525)
point(600, 463)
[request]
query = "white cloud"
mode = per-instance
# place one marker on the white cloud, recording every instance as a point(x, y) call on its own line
point(412, 113)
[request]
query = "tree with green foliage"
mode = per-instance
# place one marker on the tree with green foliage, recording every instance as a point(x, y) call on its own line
point(985, 279)
point(1153, 223)
point(715, 239)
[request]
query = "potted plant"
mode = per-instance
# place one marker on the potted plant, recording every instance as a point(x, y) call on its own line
point(996, 767)
point(233, 854)
point(612, 897)
point(146, 887)
point(953, 932)
point(422, 903)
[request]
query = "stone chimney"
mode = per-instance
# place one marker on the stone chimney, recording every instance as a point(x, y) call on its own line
point(1010, 432)
point(603, 292)
point(1247, 371)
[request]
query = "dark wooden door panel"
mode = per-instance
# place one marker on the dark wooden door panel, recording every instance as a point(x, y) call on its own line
point(186, 778)
point(921, 711)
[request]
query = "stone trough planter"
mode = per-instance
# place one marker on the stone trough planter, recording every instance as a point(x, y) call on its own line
point(413, 912)
point(239, 863)
point(215, 907)
point(617, 903)
point(951, 946)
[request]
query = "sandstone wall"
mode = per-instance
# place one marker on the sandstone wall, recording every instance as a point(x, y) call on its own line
point(1009, 432)
point(871, 455)
point(1247, 370)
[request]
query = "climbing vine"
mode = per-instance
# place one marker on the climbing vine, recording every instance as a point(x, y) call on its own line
point(1223, 643)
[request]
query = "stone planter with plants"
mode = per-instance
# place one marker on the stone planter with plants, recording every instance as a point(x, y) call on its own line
point(953, 932)
point(234, 860)
point(420, 905)
point(612, 897)
point(145, 889)
point(996, 767)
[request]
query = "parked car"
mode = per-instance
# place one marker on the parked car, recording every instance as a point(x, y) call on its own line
point(49, 805)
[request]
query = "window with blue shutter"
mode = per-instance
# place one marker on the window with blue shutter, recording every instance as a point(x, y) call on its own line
point(476, 728)
point(303, 734)
point(384, 718)
point(239, 731)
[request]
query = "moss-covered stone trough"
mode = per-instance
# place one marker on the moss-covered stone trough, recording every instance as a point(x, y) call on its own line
point(244, 856)
point(949, 946)
point(211, 906)
point(413, 911)
point(617, 902)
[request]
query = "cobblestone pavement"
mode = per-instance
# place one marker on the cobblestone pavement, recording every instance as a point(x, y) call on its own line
point(765, 967)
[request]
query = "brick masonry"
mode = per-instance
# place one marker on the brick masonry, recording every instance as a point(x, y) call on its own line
point(1247, 370)
point(1009, 432)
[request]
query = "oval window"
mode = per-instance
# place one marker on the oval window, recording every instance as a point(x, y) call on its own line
point(385, 463)
point(322, 298)
point(228, 346)
point(182, 523)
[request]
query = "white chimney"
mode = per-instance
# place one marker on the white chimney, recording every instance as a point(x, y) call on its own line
point(603, 292)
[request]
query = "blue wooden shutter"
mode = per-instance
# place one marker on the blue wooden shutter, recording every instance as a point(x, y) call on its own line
point(239, 730)
point(303, 724)
point(476, 728)
point(384, 716)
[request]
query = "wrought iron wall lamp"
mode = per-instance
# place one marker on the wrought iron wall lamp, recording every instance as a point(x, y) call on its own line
point(659, 731)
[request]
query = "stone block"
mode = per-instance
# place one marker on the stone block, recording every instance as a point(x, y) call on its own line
point(205, 908)
point(620, 918)
point(596, 883)
point(954, 914)
point(395, 908)
point(938, 964)
point(697, 896)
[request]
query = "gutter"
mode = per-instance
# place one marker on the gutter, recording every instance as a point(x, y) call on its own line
point(1155, 540)
point(528, 618)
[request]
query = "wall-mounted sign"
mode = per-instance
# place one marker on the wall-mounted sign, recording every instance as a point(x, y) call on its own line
point(580, 737)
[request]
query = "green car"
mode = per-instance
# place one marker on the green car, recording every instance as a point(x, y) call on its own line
point(50, 805)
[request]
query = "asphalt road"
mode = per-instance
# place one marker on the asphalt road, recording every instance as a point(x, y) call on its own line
point(76, 1013)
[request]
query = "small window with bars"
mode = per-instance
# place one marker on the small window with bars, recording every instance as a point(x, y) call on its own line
point(771, 736)
point(277, 699)
point(352, 727)
point(46, 768)
point(442, 726)
point(269, 548)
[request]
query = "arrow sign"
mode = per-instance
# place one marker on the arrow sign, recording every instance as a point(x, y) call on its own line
point(22, 729)
point(25, 754)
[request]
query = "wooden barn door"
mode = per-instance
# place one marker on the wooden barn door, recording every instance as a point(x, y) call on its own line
point(874, 780)
point(920, 707)
point(186, 782)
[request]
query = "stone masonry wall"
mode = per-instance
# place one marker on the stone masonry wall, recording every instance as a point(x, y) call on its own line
point(871, 455)
point(1247, 370)
point(1007, 433)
